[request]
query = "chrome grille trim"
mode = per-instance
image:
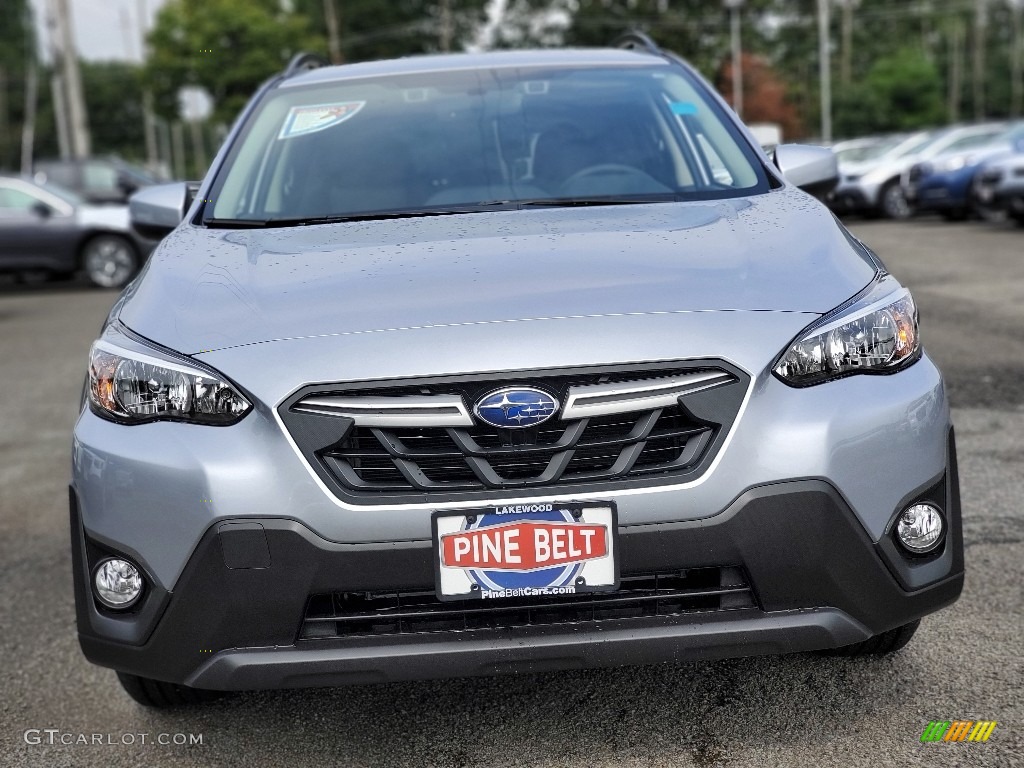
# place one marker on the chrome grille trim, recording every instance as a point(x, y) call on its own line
point(450, 410)
point(642, 395)
point(408, 411)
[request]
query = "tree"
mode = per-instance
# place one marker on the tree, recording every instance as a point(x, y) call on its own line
point(905, 90)
point(532, 23)
point(697, 30)
point(381, 29)
point(765, 97)
point(17, 52)
point(113, 96)
point(228, 47)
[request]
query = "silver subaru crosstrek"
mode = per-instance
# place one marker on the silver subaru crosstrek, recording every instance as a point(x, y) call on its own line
point(484, 363)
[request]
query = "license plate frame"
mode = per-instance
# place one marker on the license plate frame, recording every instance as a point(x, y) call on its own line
point(582, 560)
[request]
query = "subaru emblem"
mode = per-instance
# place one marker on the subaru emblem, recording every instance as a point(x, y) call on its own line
point(516, 407)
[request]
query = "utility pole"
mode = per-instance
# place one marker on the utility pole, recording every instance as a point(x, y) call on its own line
point(825, 69)
point(1016, 52)
point(734, 7)
point(978, 73)
point(333, 37)
point(956, 67)
point(148, 120)
point(447, 26)
point(846, 56)
point(28, 128)
point(57, 93)
point(77, 118)
point(179, 161)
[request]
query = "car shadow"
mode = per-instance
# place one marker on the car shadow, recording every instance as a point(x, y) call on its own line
point(694, 713)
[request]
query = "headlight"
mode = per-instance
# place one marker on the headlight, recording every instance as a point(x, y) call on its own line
point(875, 335)
point(133, 387)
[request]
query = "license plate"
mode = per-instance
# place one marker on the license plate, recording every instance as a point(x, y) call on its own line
point(526, 550)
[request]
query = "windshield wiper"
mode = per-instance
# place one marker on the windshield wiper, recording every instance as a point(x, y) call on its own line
point(481, 207)
point(305, 221)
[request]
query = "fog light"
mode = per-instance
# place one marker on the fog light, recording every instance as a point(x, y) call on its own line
point(118, 583)
point(920, 528)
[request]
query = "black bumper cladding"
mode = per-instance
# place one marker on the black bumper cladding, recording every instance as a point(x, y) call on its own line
point(785, 568)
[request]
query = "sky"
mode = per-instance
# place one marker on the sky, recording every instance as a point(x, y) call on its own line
point(104, 29)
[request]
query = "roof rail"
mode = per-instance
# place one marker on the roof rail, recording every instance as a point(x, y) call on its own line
point(636, 40)
point(303, 62)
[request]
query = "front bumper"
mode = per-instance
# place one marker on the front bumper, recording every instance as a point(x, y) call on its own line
point(234, 616)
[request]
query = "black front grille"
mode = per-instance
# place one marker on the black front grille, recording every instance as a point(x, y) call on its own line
point(353, 614)
point(477, 458)
point(376, 465)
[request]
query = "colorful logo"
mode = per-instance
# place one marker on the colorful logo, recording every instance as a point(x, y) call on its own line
point(516, 408)
point(958, 730)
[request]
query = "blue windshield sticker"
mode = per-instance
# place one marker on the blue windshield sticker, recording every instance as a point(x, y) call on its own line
point(683, 108)
point(318, 117)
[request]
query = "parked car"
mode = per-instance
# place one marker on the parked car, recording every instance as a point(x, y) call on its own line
point(945, 183)
point(849, 196)
point(999, 186)
point(96, 180)
point(854, 151)
point(47, 230)
point(877, 188)
point(484, 363)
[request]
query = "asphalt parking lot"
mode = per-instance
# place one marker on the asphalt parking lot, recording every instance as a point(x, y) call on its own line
point(804, 710)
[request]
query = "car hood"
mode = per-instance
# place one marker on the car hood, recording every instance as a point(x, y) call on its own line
point(207, 289)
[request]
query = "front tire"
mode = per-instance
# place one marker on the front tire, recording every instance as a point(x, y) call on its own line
point(880, 645)
point(109, 261)
point(894, 203)
point(160, 695)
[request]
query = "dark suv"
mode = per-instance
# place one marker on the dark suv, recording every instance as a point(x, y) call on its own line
point(96, 180)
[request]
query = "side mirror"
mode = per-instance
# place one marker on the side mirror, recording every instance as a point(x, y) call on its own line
point(814, 169)
point(42, 210)
point(156, 211)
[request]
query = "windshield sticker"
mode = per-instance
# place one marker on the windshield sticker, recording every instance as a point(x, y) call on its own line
point(683, 108)
point(302, 120)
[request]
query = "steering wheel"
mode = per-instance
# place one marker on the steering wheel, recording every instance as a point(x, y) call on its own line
point(612, 170)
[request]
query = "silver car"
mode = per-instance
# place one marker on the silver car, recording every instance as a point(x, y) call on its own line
point(485, 363)
point(879, 186)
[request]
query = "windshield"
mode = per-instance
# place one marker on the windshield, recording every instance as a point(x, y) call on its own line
point(445, 141)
